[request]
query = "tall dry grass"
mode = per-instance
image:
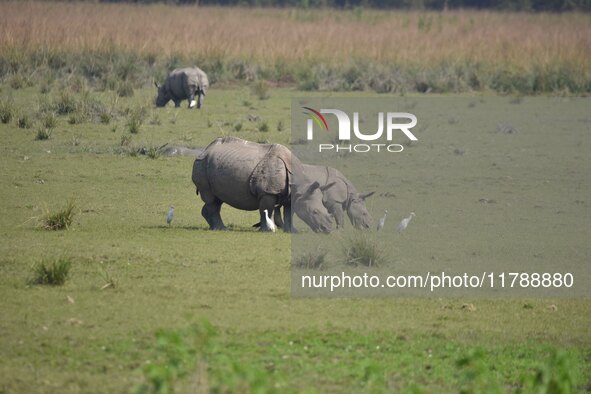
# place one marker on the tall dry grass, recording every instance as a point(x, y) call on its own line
point(518, 42)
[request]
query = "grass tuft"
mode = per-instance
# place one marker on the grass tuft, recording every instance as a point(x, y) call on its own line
point(24, 121)
point(6, 110)
point(135, 120)
point(125, 89)
point(264, 126)
point(53, 274)
point(61, 219)
point(43, 134)
point(260, 89)
point(310, 260)
point(361, 249)
point(49, 120)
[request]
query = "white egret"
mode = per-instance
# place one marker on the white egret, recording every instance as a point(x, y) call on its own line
point(382, 220)
point(404, 222)
point(270, 223)
point(170, 216)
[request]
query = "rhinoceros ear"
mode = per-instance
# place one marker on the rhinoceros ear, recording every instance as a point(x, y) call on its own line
point(311, 188)
point(364, 196)
point(323, 188)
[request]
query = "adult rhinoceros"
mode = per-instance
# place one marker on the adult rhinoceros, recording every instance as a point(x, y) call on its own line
point(250, 176)
point(341, 197)
point(183, 84)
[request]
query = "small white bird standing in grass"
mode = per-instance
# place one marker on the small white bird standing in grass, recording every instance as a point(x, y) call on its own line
point(270, 223)
point(382, 220)
point(170, 216)
point(404, 222)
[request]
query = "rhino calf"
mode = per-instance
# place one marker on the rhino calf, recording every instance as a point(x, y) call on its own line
point(183, 84)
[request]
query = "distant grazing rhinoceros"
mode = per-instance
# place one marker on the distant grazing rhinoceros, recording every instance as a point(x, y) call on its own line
point(183, 84)
point(251, 176)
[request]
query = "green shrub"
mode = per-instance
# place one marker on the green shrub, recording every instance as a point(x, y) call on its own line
point(59, 220)
point(238, 126)
point(476, 375)
point(280, 126)
point(54, 273)
point(176, 354)
point(559, 375)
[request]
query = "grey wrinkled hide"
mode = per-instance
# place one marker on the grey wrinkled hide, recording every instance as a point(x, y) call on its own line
point(183, 84)
point(341, 197)
point(251, 176)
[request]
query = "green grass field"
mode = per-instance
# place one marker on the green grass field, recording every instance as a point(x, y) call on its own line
point(85, 337)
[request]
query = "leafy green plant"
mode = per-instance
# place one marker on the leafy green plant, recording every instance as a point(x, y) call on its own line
point(558, 376)
point(54, 273)
point(176, 355)
point(476, 376)
point(60, 219)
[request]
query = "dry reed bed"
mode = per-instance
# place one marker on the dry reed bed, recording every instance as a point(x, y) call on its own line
point(518, 42)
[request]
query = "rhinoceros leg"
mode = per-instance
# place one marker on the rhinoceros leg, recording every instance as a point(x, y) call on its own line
point(200, 100)
point(211, 211)
point(288, 219)
point(336, 210)
point(277, 217)
point(177, 102)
